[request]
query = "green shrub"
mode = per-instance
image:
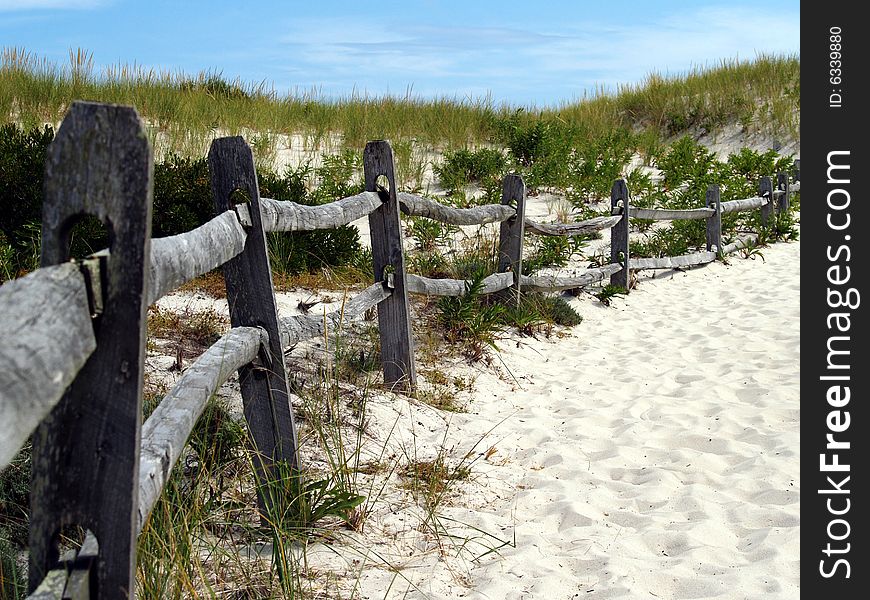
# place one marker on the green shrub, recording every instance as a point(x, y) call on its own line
point(429, 233)
point(595, 164)
point(22, 165)
point(306, 251)
point(182, 202)
point(552, 251)
point(539, 146)
point(485, 166)
point(215, 86)
point(428, 264)
point(182, 195)
point(528, 139)
point(469, 319)
point(338, 177)
point(555, 309)
point(687, 161)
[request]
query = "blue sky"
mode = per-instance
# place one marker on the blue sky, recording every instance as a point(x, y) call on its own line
point(517, 52)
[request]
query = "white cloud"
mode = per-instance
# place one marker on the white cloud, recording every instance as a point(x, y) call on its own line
point(525, 64)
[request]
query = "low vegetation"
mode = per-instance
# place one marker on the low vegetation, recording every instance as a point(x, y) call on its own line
point(185, 112)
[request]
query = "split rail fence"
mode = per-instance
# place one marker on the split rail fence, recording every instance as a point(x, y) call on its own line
point(72, 359)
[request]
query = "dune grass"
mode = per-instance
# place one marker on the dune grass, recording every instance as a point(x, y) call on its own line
point(187, 110)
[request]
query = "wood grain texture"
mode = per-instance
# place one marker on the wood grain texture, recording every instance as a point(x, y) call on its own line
point(571, 229)
point(673, 262)
point(177, 259)
point(251, 299)
point(744, 204)
point(304, 327)
point(47, 337)
point(714, 221)
point(511, 233)
point(279, 215)
point(165, 433)
point(85, 453)
point(418, 206)
point(619, 234)
point(666, 214)
point(394, 313)
point(554, 283)
point(740, 243)
point(456, 287)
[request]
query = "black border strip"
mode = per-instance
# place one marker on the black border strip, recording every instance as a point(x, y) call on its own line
point(834, 266)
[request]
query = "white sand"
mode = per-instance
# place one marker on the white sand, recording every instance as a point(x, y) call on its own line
point(652, 453)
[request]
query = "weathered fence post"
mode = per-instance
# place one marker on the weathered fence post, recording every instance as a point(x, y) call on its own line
point(619, 233)
point(86, 452)
point(797, 169)
point(251, 299)
point(714, 221)
point(782, 204)
point(510, 243)
point(394, 321)
point(765, 189)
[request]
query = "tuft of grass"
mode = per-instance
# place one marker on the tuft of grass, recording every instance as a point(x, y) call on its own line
point(440, 390)
point(552, 251)
point(357, 356)
point(430, 480)
point(752, 250)
point(196, 328)
point(609, 292)
point(13, 582)
point(429, 234)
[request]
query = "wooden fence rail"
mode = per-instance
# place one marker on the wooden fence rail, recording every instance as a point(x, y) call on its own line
point(72, 365)
point(47, 338)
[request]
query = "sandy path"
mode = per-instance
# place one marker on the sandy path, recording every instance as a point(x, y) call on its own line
point(654, 453)
point(660, 444)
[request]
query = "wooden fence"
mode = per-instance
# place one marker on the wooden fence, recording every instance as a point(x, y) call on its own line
point(71, 364)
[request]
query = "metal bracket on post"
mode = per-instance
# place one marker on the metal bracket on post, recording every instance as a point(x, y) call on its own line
point(86, 452)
